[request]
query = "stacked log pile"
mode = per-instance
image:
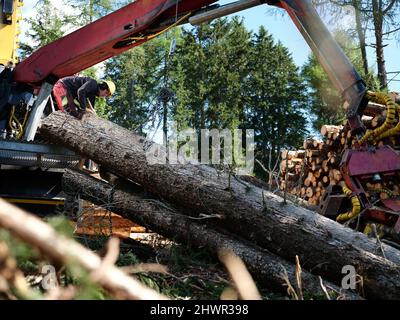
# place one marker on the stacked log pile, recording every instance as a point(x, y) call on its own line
point(307, 173)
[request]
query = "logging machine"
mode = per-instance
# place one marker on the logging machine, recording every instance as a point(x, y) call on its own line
point(30, 168)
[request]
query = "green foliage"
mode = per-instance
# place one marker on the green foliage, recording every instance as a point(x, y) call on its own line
point(61, 224)
point(198, 274)
point(96, 243)
point(193, 287)
point(87, 289)
point(138, 75)
point(90, 72)
point(127, 259)
point(325, 101)
point(88, 11)
point(277, 103)
point(183, 256)
point(102, 108)
point(20, 251)
point(209, 69)
point(127, 104)
point(28, 266)
point(223, 76)
point(45, 27)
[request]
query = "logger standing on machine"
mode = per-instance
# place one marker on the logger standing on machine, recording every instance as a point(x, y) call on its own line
point(76, 95)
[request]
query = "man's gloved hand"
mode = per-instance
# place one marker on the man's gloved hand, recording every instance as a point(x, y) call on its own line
point(89, 110)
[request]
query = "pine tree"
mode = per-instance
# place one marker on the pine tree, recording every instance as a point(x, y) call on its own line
point(189, 74)
point(210, 66)
point(277, 101)
point(229, 70)
point(139, 76)
point(45, 27)
point(127, 71)
point(225, 78)
point(88, 11)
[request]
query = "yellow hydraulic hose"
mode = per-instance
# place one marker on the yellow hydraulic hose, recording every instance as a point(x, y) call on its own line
point(25, 118)
point(149, 37)
point(393, 131)
point(10, 124)
point(356, 206)
point(22, 126)
point(380, 229)
point(385, 190)
point(19, 127)
point(384, 99)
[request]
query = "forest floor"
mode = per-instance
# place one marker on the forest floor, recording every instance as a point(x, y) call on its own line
point(191, 274)
point(182, 273)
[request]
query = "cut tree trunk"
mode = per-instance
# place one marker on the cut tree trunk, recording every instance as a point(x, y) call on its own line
point(286, 230)
point(160, 217)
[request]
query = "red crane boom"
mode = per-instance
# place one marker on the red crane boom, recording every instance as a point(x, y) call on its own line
point(109, 36)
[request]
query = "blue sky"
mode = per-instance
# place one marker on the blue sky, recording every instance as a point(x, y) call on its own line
point(283, 29)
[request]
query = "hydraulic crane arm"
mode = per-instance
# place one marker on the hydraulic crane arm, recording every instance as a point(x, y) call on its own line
point(338, 67)
point(109, 36)
point(142, 20)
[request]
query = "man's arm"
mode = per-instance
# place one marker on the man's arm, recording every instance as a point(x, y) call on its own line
point(90, 107)
point(89, 87)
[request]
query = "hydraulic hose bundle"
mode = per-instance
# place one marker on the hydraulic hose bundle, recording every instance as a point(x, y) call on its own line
point(385, 129)
point(356, 206)
point(16, 125)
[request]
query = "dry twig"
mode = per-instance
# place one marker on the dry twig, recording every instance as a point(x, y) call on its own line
point(241, 277)
point(64, 251)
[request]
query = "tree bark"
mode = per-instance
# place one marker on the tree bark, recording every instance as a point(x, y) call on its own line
point(160, 217)
point(286, 230)
point(378, 30)
point(361, 35)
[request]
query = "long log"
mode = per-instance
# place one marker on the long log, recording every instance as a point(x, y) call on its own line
point(286, 230)
point(266, 267)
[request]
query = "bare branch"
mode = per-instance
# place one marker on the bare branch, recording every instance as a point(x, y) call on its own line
point(240, 276)
point(63, 250)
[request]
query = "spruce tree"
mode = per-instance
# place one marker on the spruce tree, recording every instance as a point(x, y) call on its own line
point(139, 76)
point(45, 27)
point(277, 101)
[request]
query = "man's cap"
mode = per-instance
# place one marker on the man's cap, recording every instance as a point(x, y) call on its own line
point(110, 85)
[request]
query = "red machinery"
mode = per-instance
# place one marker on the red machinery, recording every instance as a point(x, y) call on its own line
point(142, 20)
point(111, 35)
point(360, 167)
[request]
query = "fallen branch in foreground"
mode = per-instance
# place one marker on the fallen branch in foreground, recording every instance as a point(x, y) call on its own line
point(62, 250)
